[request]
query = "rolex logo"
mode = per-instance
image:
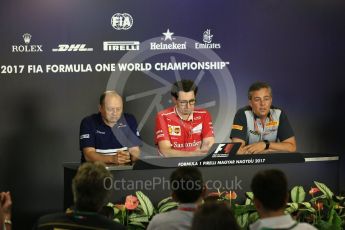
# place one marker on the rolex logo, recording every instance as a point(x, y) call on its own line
point(27, 48)
point(27, 38)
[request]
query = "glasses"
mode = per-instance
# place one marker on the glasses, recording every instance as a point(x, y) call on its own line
point(185, 102)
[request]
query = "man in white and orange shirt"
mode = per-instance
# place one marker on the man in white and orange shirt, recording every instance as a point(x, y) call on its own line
point(183, 130)
point(261, 127)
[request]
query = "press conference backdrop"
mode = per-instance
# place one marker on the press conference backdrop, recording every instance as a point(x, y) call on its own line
point(58, 56)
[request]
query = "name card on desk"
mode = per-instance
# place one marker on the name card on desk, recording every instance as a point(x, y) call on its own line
point(218, 160)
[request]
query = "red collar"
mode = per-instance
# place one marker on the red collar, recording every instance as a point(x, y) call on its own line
point(190, 117)
point(187, 207)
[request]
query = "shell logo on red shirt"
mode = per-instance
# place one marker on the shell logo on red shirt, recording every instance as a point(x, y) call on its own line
point(174, 130)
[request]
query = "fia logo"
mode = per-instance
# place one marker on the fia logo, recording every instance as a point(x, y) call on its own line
point(122, 21)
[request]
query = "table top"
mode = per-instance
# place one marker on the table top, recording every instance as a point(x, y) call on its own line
point(153, 162)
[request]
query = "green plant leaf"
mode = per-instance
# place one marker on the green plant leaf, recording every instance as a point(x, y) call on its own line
point(312, 200)
point(335, 219)
point(248, 201)
point(162, 202)
point(146, 204)
point(340, 198)
point(324, 225)
point(250, 195)
point(297, 194)
point(134, 217)
point(312, 210)
point(167, 206)
point(289, 210)
point(116, 210)
point(307, 204)
point(321, 224)
point(110, 204)
point(293, 205)
point(243, 220)
point(324, 189)
point(242, 209)
point(253, 217)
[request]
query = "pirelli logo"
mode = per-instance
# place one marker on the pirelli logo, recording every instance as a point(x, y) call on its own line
point(272, 123)
point(120, 45)
point(238, 127)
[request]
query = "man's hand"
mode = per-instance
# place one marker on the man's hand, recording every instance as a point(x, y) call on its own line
point(288, 145)
point(254, 148)
point(122, 157)
point(198, 153)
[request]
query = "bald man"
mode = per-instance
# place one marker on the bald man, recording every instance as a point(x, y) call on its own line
point(110, 136)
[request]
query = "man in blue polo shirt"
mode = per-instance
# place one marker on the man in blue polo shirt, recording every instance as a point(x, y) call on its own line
point(110, 136)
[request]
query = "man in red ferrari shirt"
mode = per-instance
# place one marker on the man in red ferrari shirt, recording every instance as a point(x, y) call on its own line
point(183, 130)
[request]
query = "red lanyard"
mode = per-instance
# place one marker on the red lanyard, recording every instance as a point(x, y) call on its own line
point(188, 209)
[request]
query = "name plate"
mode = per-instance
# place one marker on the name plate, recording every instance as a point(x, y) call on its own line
point(212, 160)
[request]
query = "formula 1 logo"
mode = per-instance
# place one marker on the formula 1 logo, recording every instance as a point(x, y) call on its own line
point(122, 21)
point(72, 48)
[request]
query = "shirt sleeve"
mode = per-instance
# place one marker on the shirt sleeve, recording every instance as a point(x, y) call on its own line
point(161, 130)
point(153, 225)
point(239, 126)
point(86, 134)
point(207, 126)
point(285, 130)
point(133, 136)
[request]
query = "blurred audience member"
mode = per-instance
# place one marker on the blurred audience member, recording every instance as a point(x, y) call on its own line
point(214, 215)
point(270, 198)
point(90, 195)
point(187, 189)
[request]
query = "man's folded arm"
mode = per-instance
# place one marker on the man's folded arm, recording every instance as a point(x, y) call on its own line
point(243, 143)
point(207, 143)
point(90, 154)
point(288, 145)
point(135, 153)
point(165, 148)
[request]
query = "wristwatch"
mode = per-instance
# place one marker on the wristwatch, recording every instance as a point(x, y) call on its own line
point(267, 144)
